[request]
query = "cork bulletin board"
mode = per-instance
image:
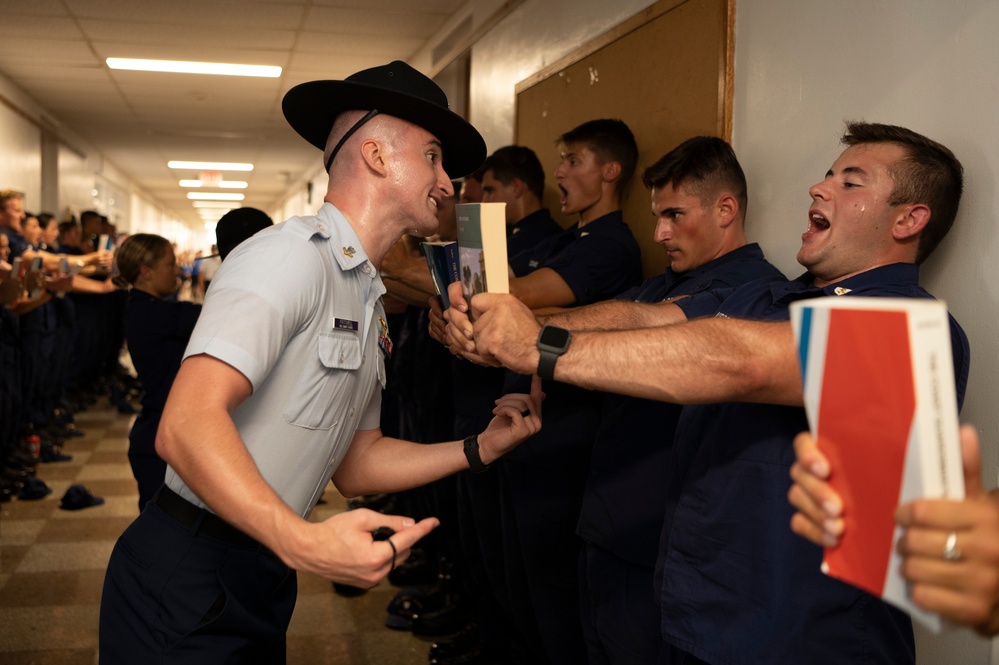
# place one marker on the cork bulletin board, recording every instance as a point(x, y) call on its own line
point(667, 72)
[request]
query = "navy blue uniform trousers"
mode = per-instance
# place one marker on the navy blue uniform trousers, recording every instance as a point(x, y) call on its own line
point(172, 595)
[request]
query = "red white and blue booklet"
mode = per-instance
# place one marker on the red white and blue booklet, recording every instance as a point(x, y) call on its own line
point(879, 394)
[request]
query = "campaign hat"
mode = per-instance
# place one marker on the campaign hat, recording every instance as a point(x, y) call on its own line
point(395, 89)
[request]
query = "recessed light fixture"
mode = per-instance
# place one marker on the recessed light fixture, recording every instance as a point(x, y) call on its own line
point(210, 166)
point(214, 196)
point(223, 184)
point(182, 67)
point(212, 204)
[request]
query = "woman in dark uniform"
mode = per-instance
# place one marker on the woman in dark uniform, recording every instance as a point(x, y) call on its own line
point(157, 328)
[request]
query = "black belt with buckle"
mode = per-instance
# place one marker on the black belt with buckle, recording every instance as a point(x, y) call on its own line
point(189, 514)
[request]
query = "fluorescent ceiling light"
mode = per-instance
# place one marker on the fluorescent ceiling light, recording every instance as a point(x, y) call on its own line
point(210, 166)
point(212, 204)
point(214, 196)
point(223, 184)
point(181, 67)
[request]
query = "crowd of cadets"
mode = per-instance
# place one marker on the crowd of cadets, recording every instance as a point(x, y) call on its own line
point(61, 334)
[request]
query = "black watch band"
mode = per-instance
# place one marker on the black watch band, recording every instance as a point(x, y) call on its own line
point(552, 343)
point(475, 464)
point(546, 364)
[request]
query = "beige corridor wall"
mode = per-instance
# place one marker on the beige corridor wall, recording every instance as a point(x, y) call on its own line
point(662, 105)
point(801, 69)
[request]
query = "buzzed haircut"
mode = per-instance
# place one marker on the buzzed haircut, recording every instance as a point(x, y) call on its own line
point(517, 162)
point(705, 166)
point(930, 175)
point(611, 141)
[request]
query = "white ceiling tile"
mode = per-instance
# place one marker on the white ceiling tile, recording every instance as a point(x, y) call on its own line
point(221, 15)
point(385, 25)
point(55, 52)
point(138, 33)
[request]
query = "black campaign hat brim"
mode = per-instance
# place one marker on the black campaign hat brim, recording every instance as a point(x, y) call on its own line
point(311, 108)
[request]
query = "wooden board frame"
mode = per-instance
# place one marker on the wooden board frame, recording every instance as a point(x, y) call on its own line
point(667, 72)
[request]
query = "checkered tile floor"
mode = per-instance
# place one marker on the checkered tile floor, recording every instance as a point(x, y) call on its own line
point(52, 568)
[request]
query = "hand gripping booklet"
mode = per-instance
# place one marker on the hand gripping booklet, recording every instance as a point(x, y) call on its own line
point(482, 248)
point(442, 259)
point(879, 393)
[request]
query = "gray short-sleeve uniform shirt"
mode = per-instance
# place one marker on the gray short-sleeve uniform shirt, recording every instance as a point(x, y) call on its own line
point(296, 309)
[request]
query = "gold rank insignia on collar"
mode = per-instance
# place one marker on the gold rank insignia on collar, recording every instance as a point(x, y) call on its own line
point(840, 291)
point(349, 251)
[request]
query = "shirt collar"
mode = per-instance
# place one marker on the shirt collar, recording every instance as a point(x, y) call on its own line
point(330, 223)
point(895, 273)
point(610, 219)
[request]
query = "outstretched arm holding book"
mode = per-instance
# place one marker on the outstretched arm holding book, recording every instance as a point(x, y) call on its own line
point(950, 549)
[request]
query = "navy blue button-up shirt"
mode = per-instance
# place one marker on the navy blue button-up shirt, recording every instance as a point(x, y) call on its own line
point(625, 493)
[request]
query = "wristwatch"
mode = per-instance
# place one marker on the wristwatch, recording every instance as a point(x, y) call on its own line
point(472, 454)
point(552, 342)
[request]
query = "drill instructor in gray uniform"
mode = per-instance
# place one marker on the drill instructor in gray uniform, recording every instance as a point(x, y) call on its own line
point(280, 391)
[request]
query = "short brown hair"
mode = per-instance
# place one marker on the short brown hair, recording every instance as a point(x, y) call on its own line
point(8, 194)
point(930, 175)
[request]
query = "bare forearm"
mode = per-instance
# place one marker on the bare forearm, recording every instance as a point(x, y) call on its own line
point(31, 304)
point(376, 463)
point(406, 275)
point(704, 361)
point(50, 262)
point(83, 284)
point(393, 465)
point(614, 315)
point(542, 288)
point(411, 293)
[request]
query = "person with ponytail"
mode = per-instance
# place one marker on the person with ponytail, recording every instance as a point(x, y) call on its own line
point(157, 328)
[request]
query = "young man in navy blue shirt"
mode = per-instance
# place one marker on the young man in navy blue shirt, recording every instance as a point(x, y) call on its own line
point(698, 196)
point(593, 260)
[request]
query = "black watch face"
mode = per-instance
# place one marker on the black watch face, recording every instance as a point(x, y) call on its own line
point(554, 337)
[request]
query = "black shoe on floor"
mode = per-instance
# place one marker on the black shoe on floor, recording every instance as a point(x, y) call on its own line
point(445, 622)
point(418, 570)
point(466, 648)
point(15, 474)
point(411, 602)
point(53, 453)
point(33, 490)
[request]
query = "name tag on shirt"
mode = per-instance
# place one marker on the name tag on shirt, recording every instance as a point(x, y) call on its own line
point(345, 324)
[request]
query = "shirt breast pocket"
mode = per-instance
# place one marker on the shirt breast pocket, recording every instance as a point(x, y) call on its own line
point(320, 396)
